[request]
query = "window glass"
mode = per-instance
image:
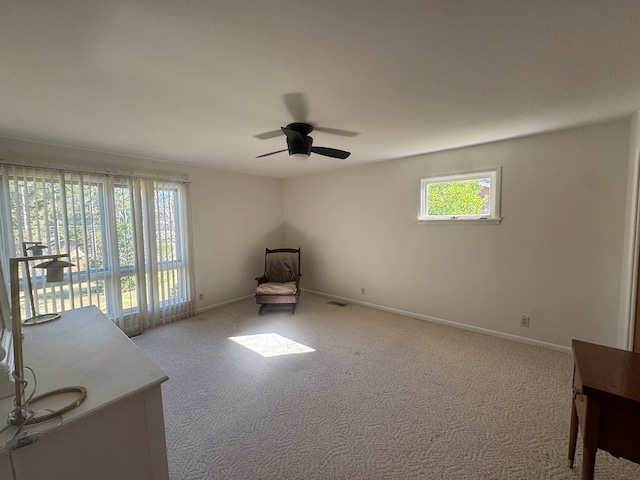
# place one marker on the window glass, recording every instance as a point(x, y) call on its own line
point(461, 196)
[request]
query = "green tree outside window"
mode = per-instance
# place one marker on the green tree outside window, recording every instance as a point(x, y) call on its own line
point(456, 198)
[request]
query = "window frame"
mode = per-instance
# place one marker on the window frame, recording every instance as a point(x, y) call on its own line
point(494, 217)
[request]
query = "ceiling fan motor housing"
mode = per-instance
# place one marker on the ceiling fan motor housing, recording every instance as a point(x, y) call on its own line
point(297, 146)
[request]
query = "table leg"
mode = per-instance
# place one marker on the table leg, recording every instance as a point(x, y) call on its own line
point(573, 434)
point(590, 435)
point(588, 462)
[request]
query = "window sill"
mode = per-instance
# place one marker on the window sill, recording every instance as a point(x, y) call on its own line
point(483, 221)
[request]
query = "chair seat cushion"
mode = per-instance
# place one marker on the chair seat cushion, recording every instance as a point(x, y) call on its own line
point(275, 288)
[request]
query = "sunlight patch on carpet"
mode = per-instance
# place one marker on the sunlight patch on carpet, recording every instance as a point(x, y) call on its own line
point(271, 344)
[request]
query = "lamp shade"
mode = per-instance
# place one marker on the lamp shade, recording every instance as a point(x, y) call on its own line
point(36, 250)
point(54, 268)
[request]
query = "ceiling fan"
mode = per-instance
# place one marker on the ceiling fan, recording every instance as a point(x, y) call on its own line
point(299, 143)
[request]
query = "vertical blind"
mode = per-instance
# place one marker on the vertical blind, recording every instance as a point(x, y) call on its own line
point(128, 238)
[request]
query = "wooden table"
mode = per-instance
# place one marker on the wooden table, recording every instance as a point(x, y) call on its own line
point(118, 431)
point(606, 403)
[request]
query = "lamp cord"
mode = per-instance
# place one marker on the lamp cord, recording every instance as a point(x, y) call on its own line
point(14, 442)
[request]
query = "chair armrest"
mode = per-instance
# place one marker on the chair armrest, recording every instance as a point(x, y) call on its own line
point(261, 279)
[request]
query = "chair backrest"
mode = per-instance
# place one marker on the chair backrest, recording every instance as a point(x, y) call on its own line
point(282, 264)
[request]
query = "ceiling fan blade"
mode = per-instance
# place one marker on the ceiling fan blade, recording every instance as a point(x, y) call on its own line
point(337, 131)
point(330, 152)
point(293, 135)
point(272, 153)
point(268, 135)
point(297, 106)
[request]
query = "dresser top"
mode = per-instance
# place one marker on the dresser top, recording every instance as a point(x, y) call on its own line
point(82, 348)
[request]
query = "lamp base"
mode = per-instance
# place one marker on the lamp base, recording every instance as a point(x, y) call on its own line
point(44, 318)
point(19, 416)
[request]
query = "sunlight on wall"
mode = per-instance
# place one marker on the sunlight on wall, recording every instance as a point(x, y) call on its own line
point(271, 344)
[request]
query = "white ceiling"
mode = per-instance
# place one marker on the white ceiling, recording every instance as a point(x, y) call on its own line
point(196, 81)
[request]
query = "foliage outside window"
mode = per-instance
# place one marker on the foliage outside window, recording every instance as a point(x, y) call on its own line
point(461, 196)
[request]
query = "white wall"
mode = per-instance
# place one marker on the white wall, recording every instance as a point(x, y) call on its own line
point(556, 256)
point(234, 216)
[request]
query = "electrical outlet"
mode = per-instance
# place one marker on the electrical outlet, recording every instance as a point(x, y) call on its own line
point(363, 291)
point(524, 321)
point(201, 296)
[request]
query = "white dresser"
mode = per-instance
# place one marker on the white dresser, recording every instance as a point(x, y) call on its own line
point(117, 432)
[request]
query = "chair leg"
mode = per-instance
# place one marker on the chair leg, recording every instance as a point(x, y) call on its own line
point(262, 308)
point(293, 311)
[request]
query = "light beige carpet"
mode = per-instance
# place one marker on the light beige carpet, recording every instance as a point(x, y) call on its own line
point(382, 397)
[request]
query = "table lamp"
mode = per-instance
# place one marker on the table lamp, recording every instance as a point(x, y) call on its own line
point(21, 413)
point(55, 274)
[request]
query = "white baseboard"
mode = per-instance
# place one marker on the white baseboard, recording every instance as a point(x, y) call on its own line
point(484, 331)
point(222, 304)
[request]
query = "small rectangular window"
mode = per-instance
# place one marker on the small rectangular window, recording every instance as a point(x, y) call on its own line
point(463, 196)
